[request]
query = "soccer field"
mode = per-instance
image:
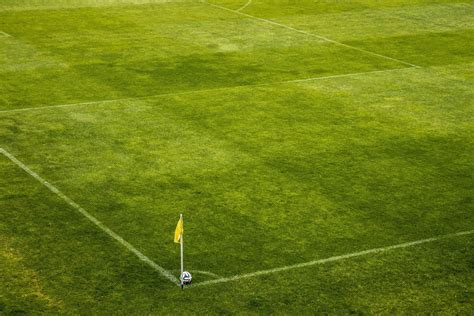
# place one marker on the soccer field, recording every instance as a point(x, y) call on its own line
point(320, 151)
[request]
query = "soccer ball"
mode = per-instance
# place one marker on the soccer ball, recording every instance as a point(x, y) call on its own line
point(186, 278)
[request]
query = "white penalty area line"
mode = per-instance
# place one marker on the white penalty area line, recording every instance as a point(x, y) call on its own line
point(312, 34)
point(331, 259)
point(100, 102)
point(94, 220)
point(244, 6)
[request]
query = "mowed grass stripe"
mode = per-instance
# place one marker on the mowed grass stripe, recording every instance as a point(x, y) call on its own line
point(94, 220)
point(87, 62)
point(269, 176)
point(99, 102)
point(72, 4)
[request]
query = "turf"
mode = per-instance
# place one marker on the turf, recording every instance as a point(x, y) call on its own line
point(141, 110)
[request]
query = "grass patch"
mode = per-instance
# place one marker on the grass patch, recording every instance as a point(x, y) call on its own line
point(266, 176)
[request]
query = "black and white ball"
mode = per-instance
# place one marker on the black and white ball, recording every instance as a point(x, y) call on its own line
point(186, 278)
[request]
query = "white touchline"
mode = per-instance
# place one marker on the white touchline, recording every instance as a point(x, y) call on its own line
point(205, 90)
point(335, 258)
point(244, 6)
point(94, 220)
point(312, 34)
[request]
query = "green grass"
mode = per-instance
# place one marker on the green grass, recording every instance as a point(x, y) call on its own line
point(268, 172)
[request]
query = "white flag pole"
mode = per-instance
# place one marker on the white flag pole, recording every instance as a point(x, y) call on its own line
point(182, 250)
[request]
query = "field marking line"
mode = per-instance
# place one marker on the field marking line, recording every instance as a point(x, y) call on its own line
point(200, 272)
point(244, 6)
point(331, 259)
point(207, 273)
point(313, 35)
point(205, 90)
point(94, 220)
point(3, 34)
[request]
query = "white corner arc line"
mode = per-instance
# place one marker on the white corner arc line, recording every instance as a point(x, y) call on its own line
point(313, 35)
point(199, 272)
point(37, 108)
point(244, 6)
point(94, 220)
point(207, 273)
point(331, 259)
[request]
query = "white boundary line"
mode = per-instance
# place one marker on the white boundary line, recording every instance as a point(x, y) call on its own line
point(3, 34)
point(244, 6)
point(94, 220)
point(331, 259)
point(312, 35)
point(204, 90)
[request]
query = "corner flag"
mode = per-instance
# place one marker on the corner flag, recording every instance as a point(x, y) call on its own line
point(178, 233)
point(178, 238)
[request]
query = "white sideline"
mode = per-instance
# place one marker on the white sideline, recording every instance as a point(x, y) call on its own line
point(244, 6)
point(204, 90)
point(94, 220)
point(335, 258)
point(313, 35)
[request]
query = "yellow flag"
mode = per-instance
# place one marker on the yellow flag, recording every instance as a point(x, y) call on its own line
point(179, 230)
